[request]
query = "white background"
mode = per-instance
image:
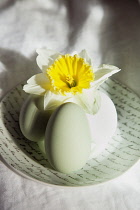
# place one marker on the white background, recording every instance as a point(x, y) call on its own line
point(110, 31)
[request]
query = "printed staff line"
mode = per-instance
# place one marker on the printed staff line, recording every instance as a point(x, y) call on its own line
point(61, 178)
point(125, 115)
point(126, 103)
point(127, 140)
point(13, 162)
point(129, 154)
point(123, 121)
point(17, 163)
point(91, 174)
point(14, 99)
point(116, 84)
point(106, 166)
point(128, 125)
point(119, 100)
point(116, 140)
point(11, 102)
point(73, 178)
point(94, 167)
point(15, 113)
point(109, 89)
point(38, 168)
point(21, 94)
point(20, 169)
point(116, 155)
point(37, 175)
point(130, 113)
point(41, 172)
point(113, 161)
point(120, 164)
point(4, 116)
point(131, 147)
point(19, 89)
point(30, 150)
point(29, 146)
point(127, 109)
point(19, 160)
point(128, 133)
point(98, 169)
point(121, 142)
point(13, 131)
point(132, 120)
point(12, 113)
point(125, 100)
point(9, 121)
point(114, 169)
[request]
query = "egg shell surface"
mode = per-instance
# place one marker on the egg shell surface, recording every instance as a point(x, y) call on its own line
point(102, 127)
point(33, 119)
point(68, 138)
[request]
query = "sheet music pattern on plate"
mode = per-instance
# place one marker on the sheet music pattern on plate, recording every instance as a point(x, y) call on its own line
point(25, 158)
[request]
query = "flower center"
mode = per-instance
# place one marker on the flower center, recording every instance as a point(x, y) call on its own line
point(70, 74)
point(70, 81)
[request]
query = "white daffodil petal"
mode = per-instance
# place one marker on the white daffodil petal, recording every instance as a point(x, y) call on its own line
point(39, 79)
point(89, 100)
point(45, 58)
point(36, 84)
point(52, 101)
point(83, 54)
point(33, 89)
point(102, 74)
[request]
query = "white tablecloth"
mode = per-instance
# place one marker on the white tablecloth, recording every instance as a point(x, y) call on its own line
point(110, 31)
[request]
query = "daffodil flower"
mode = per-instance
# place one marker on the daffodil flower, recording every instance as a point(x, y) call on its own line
point(68, 78)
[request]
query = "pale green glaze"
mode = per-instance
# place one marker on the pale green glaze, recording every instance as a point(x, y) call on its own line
point(67, 138)
point(33, 119)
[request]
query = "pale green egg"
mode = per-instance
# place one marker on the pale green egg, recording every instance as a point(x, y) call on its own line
point(33, 119)
point(41, 145)
point(68, 138)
